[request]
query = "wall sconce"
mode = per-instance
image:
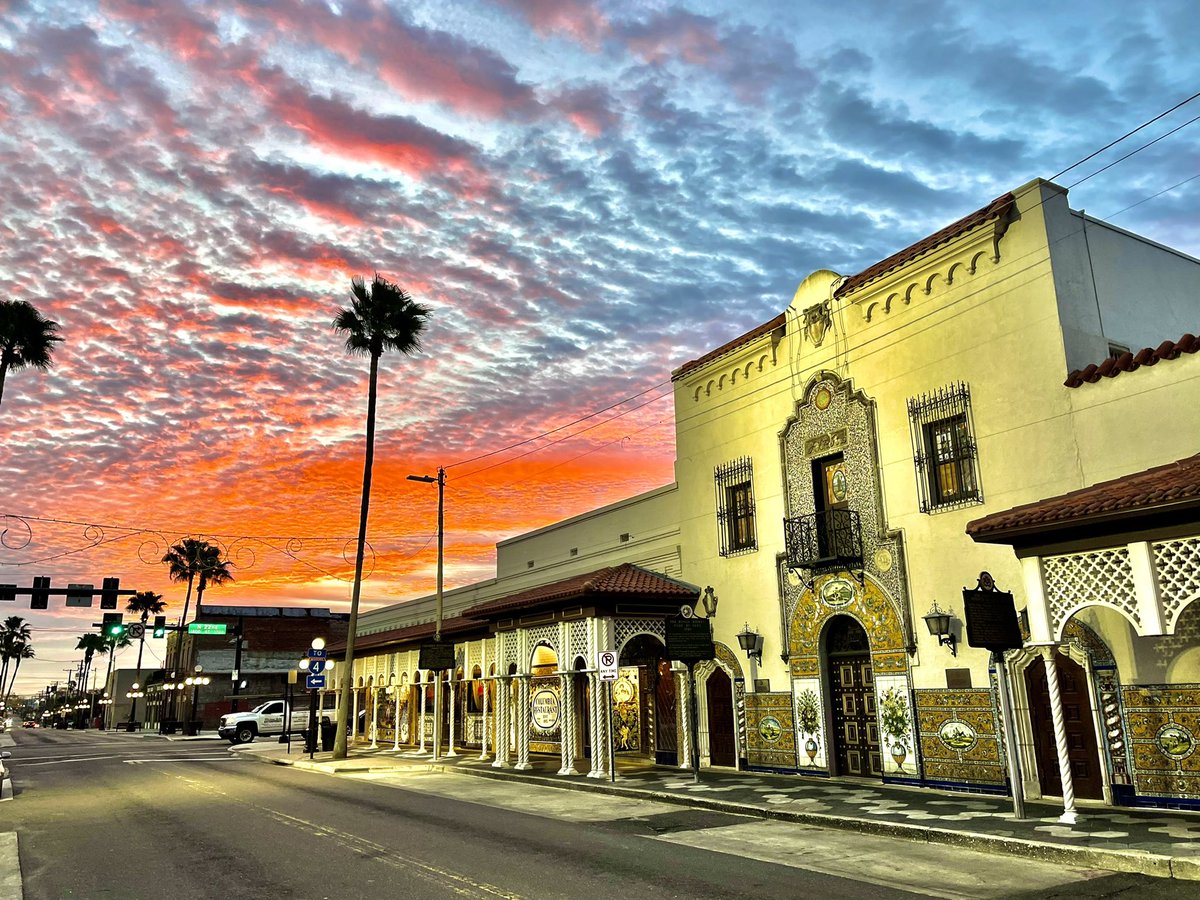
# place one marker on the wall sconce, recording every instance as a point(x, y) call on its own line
point(709, 599)
point(938, 623)
point(751, 642)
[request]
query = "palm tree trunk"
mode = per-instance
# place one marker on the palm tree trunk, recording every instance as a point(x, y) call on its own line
point(339, 746)
point(3, 374)
point(138, 676)
point(12, 682)
point(177, 657)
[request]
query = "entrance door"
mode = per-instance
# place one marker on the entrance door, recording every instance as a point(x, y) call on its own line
point(722, 743)
point(1082, 750)
point(852, 692)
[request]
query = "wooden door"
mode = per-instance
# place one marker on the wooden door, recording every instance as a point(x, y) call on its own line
point(852, 695)
point(1082, 749)
point(722, 741)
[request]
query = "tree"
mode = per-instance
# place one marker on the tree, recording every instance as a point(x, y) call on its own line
point(14, 638)
point(381, 318)
point(188, 560)
point(27, 339)
point(146, 603)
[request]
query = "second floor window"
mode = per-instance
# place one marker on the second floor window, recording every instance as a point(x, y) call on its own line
point(944, 450)
point(735, 507)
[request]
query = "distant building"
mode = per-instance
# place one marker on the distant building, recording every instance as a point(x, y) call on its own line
point(272, 640)
point(1014, 394)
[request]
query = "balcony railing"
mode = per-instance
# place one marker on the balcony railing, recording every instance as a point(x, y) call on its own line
point(824, 541)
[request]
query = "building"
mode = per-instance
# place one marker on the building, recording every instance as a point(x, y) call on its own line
point(843, 472)
point(244, 652)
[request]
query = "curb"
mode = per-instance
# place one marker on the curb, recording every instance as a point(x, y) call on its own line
point(1131, 861)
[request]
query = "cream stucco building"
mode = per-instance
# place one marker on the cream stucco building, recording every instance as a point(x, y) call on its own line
point(840, 470)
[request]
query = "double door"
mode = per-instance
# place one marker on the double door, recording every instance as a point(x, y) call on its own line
point(855, 727)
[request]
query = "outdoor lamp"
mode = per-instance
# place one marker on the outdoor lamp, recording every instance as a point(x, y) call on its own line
point(938, 623)
point(751, 642)
point(303, 665)
point(710, 602)
point(318, 643)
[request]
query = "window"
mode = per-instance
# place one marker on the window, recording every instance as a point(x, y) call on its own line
point(735, 507)
point(944, 450)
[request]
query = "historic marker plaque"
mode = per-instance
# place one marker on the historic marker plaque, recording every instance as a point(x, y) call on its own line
point(437, 655)
point(991, 617)
point(689, 640)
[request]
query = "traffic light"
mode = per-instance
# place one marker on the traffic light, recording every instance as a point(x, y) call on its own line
point(112, 626)
point(160, 626)
point(108, 593)
point(39, 597)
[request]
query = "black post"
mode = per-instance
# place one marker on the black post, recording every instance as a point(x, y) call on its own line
point(312, 723)
point(695, 724)
point(237, 668)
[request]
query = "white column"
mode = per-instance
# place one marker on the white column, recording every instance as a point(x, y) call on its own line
point(396, 719)
point(683, 697)
point(502, 704)
point(1070, 815)
point(421, 718)
point(566, 726)
point(523, 723)
point(453, 710)
point(1146, 589)
point(1040, 627)
point(438, 695)
point(354, 711)
point(374, 717)
point(593, 725)
point(599, 728)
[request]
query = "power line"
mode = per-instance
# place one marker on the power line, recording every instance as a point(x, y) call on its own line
point(1152, 196)
point(1145, 124)
point(1132, 152)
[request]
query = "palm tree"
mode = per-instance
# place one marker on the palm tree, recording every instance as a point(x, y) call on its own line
point(145, 603)
point(15, 637)
point(381, 318)
point(21, 650)
point(27, 338)
point(90, 643)
point(189, 559)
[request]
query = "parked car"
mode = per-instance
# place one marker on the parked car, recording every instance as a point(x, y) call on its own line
point(265, 720)
point(30, 723)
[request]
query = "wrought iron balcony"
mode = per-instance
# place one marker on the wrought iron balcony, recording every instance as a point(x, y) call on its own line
point(824, 541)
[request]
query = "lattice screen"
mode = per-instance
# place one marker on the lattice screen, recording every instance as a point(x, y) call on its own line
point(1177, 565)
point(629, 628)
point(1100, 576)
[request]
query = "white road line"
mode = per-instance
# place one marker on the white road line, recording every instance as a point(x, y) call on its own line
point(173, 759)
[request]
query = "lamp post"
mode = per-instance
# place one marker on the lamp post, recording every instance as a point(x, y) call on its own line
point(194, 683)
point(440, 481)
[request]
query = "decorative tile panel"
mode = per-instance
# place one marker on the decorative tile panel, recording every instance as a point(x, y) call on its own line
point(896, 727)
point(1164, 739)
point(959, 736)
point(809, 716)
point(771, 733)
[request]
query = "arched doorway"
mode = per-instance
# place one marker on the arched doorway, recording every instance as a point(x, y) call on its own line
point(722, 738)
point(1082, 750)
point(852, 697)
point(636, 699)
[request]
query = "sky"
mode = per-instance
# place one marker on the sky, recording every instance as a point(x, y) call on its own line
point(586, 195)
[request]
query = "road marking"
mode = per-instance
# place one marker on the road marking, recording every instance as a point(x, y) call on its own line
point(459, 884)
point(174, 759)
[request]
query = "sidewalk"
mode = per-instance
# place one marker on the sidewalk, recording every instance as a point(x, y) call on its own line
point(1165, 844)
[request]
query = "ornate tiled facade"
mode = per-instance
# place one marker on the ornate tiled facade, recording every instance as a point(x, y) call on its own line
point(959, 736)
point(1164, 737)
point(771, 734)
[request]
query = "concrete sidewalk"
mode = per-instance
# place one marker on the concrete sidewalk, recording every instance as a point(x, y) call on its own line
point(1165, 844)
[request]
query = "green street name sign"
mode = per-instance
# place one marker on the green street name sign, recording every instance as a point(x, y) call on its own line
point(207, 628)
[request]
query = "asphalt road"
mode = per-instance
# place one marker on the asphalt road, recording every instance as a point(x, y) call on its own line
point(126, 816)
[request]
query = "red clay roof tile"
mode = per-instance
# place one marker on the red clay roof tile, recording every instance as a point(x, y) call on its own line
point(1128, 362)
point(614, 582)
point(1173, 483)
point(766, 328)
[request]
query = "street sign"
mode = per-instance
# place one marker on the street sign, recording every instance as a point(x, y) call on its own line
point(79, 594)
point(314, 653)
point(136, 630)
point(315, 682)
point(207, 628)
point(689, 640)
point(606, 662)
point(316, 666)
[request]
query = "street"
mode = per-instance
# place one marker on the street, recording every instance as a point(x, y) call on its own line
point(115, 815)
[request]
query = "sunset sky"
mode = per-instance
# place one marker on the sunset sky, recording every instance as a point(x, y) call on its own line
point(587, 195)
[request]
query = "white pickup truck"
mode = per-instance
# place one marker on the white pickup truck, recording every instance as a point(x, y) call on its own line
point(265, 720)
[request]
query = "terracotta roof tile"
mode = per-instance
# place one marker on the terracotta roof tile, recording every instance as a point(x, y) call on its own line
point(408, 634)
point(614, 582)
point(1170, 484)
point(1127, 362)
point(766, 328)
point(996, 209)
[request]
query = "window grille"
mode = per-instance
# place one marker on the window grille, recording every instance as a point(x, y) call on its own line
point(735, 507)
point(944, 450)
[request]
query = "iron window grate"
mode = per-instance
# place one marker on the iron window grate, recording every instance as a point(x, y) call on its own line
point(736, 532)
point(945, 454)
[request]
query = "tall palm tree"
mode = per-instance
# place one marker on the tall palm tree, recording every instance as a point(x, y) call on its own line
point(381, 318)
point(21, 650)
point(189, 560)
point(145, 603)
point(90, 643)
point(27, 338)
point(14, 634)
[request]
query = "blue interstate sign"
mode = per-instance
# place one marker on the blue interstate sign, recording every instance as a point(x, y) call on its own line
point(316, 666)
point(315, 682)
point(314, 653)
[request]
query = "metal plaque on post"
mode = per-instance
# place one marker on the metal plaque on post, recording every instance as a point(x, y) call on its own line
point(437, 656)
point(991, 617)
point(689, 640)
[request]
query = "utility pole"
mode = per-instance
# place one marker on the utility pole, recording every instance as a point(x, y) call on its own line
point(237, 666)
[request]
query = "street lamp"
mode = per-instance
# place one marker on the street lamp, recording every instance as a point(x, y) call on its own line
point(195, 681)
point(440, 481)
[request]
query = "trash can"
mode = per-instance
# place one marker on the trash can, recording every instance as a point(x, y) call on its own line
point(169, 726)
point(328, 735)
point(192, 728)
